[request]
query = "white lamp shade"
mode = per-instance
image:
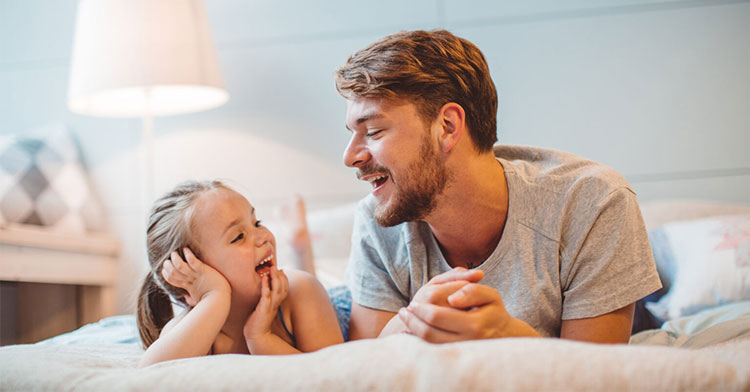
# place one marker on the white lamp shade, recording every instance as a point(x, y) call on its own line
point(135, 58)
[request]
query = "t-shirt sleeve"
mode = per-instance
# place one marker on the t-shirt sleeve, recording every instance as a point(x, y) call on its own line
point(370, 271)
point(606, 258)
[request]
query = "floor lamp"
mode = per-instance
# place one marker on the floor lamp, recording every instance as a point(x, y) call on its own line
point(143, 58)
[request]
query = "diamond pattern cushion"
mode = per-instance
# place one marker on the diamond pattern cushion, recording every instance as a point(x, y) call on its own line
point(44, 182)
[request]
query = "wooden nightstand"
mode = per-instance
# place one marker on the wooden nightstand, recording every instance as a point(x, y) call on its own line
point(52, 283)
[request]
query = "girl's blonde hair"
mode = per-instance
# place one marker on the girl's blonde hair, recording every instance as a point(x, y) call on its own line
point(169, 229)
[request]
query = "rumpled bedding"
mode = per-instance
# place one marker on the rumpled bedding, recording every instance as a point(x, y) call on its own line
point(707, 351)
point(400, 362)
point(712, 326)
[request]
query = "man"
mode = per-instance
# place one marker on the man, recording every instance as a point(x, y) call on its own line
point(460, 240)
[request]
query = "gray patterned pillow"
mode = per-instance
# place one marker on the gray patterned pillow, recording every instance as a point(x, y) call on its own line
point(44, 182)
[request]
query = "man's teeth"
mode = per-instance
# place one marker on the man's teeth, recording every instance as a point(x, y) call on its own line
point(375, 179)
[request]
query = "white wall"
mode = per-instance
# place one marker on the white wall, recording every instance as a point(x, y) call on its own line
point(660, 90)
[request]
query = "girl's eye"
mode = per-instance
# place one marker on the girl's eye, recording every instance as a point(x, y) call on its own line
point(239, 237)
point(257, 223)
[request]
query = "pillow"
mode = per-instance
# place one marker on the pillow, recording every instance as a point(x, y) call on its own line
point(657, 213)
point(331, 231)
point(664, 258)
point(710, 265)
point(44, 182)
point(330, 234)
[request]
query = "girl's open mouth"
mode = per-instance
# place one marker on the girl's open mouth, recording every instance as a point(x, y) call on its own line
point(264, 267)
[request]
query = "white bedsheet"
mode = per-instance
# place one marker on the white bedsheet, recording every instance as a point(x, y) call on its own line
point(395, 363)
point(707, 351)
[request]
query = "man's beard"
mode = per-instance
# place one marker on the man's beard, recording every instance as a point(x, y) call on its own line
point(417, 190)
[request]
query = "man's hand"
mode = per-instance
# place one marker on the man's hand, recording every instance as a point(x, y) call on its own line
point(436, 291)
point(448, 310)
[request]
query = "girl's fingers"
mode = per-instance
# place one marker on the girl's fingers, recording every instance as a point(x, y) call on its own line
point(172, 279)
point(284, 283)
point(280, 287)
point(265, 293)
point(177, 262)
point(192, 261)
point(166, 271)
point(274, 285)
point(169, 272)
point(175, 272)
point(277, 284)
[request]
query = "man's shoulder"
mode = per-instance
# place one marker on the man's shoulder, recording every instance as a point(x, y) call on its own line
point(558, 171)
point(558, 189)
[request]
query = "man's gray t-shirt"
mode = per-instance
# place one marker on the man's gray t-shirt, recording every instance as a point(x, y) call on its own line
point(574, 245)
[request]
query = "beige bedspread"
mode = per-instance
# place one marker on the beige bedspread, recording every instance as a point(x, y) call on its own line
point(397, 363)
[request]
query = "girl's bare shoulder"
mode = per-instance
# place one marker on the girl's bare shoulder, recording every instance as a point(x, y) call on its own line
point(300, 279)
point(303, 286)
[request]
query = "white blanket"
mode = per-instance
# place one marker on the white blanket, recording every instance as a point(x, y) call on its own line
point(395, 363)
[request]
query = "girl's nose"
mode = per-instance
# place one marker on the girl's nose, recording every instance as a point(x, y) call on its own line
point(263, 236)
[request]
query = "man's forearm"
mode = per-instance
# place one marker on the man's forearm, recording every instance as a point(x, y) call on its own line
point(368, 323)
point(517, 328)
point(394, 326)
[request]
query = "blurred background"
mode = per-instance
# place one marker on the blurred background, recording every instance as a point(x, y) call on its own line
point(659, 90)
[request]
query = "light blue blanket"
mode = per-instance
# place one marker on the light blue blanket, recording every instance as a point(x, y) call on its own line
point(710, 326)
point(123, 329)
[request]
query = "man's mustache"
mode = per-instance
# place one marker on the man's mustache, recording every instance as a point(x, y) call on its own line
point(371, 169)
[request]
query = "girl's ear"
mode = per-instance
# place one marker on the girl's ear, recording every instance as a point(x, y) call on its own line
point(452, 123)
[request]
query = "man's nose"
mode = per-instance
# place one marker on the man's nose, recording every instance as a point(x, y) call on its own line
point(356, 152)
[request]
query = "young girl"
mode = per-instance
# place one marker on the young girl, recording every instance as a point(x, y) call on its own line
point(208, 250)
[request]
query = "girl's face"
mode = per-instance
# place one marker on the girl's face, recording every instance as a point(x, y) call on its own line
point(232, 241)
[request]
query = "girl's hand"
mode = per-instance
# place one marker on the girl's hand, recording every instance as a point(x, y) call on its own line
point(192, 333)
point(196, 277)
point(274, 289)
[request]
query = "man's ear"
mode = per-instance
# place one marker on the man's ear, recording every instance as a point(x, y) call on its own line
point(452, 122)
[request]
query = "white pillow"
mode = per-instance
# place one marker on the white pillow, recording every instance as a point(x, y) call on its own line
point(331, 231)
point(711, 263)
point(43, 181)
point(330, 234)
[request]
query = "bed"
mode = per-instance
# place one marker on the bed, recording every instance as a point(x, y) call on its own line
point(704, 344)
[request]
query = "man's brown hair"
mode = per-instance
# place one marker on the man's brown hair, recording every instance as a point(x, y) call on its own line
point(430, 68)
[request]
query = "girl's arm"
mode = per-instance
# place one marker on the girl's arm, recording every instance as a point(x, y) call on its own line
point(258, 336)
point(313, 319)
point(193, 334)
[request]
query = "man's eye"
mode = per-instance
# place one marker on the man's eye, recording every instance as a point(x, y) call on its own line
point(239, 237)
point(257, 223)
point(373, 133)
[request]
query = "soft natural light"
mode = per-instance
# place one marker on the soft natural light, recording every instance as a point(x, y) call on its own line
point(156, 100)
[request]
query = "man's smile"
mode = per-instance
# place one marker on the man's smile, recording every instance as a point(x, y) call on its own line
point(376, 180)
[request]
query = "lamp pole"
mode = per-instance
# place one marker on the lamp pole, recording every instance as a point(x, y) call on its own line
point(148, 143)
